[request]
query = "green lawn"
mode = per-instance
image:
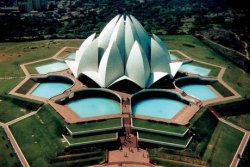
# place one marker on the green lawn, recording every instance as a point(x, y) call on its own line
point(8, 158)
point(39, 136)
point(7, 85)
point(105, 124)
point(169, 163)
point(178, 55)
point(164, 138)
point(202, 125)
point(10, 111)
point(25, 88)
point(158, 126)
point(240, 120)
point(222, 145)
point(90, 138)
point(235, 111)
point(221, 89)
point(234, 76)
point(23, 52)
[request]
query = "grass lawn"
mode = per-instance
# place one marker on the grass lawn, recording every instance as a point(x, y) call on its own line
point(32, 67)
point(8, 158)
point(222, 145)
point(235, 111)
point(158, 126)
point(221, 89)
point(240, 120)
point(90, 138)
point(10, 111)
point(39, 136)
point(234, 76)
point(178, 55)
point(111, 123)
point(25, 88)
point(202, 125)
point(7, 85)
point(169, 163)
point(163, 138)
point(12, 54)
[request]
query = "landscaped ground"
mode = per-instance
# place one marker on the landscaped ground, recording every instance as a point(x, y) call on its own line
point(236, 111)
point(150, 125)
point(40, 136)
point(8, 109)
point(8, 158)
point(222, 145)
point(234, 76)
point(16, 53)
point(212, 142)
point(96, 126)
point(91, 138)
point(168, 140)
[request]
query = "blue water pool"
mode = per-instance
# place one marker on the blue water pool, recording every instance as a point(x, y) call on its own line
point(195, 69)
point(173, 57)
point(52, 67)
point(50, 89)
point(94, 106)
point(158, 107)
point(71, 56)
point(200, 91)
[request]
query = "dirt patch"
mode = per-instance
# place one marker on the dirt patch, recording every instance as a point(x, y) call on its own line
point(6, 56)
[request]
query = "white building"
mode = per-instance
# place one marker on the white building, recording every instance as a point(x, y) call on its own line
point(123, 51)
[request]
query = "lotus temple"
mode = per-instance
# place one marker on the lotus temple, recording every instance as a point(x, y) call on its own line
point(127, 84)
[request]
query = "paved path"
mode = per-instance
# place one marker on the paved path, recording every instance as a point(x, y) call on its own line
point(129, 155)
point(21, 118)
point(233, 125)
point(12, 139)
point(240, 150)
point(243, 142)
point(16, 147)
point(7, 78)
point(1, 124)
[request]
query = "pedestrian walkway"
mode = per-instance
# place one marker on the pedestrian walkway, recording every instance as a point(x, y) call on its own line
point(16, 147)
point(21, 118)
point(128, 155)
point(240, 150)
point(7, 78)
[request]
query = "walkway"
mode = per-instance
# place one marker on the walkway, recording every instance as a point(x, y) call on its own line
point(7, 78)
point(12, 139)
point(243, 142)
point(16, 147)
point(128, 155)
point(240, 150)
point(21, 118)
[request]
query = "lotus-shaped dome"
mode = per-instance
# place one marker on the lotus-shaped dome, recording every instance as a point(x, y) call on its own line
point(123, 51)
